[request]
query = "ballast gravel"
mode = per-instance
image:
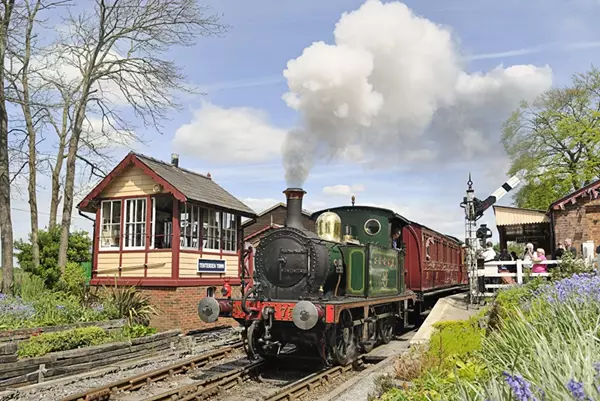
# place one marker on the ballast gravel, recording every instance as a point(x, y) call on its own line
point(65, 387)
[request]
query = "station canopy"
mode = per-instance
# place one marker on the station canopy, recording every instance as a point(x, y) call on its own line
point(523, 226)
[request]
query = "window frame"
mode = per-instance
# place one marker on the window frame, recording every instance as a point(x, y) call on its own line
point(119, 224)
point(144, 217)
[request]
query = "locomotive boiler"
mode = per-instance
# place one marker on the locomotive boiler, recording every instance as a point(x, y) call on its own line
point(337, 292)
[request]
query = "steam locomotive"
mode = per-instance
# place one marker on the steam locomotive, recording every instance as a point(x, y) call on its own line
point(345, 288)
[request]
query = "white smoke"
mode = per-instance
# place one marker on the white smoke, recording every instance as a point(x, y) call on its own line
point(394, 84)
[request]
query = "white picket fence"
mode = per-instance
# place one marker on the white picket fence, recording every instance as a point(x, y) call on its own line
point(491, 270)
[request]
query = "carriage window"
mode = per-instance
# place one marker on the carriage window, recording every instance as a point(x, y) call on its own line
point(372, 227)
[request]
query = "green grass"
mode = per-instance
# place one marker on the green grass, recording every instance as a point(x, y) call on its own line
point(548, 345)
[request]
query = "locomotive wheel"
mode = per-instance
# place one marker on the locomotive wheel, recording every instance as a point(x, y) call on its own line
point(343, 350)
point(369, 343)
point(254, 333)
point(386, 328)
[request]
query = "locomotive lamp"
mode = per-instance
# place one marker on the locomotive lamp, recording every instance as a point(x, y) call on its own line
point(306, 315)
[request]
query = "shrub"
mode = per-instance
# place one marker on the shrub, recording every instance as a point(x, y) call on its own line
point(131, 304)
point(77, 338)
point(73, 280)
point(49, 242)
point(569, 266)
point(62, 341)
point(455, 339)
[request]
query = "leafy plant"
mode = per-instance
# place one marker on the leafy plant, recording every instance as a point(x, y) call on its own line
point(78, 251)
point(131, 304)
point(568, 266)
point(62, 341)
point(73, 280)
point(45, 343)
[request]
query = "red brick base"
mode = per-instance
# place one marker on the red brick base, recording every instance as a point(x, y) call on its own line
point(178, 308)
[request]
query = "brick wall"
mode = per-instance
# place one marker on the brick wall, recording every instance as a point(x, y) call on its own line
point(580, 222)
point(179, 307)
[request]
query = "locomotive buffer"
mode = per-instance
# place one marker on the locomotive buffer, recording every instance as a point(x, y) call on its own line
point(474, 209)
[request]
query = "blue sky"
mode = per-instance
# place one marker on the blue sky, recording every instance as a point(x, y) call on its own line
point(242, 72)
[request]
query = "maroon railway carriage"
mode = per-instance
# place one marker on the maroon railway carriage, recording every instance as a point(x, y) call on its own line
point(434, 264)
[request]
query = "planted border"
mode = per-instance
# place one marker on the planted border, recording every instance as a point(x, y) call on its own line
point(64, 363)
point(24, 334)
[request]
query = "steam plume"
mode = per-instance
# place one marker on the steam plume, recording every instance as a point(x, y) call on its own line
point(394, 85)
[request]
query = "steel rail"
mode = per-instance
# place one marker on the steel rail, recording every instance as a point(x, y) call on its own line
point(211, 385)
point(301, 387)
point(103, 393)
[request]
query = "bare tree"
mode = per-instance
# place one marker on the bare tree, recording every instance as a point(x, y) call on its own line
point(6, 229)
point(116, 51)
point(62, 127)
point(20, 83)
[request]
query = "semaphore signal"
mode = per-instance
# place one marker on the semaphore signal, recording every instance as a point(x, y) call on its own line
point(474, 209)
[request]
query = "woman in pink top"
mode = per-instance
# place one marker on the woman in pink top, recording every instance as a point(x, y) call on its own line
point(540, 257)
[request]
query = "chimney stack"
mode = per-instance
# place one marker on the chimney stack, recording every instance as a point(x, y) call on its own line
point(175, 159)
point(294, 207)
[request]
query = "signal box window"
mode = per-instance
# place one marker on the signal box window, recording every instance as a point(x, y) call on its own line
point(110, 235)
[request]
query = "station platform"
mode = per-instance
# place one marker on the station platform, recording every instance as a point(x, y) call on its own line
point(453, 307)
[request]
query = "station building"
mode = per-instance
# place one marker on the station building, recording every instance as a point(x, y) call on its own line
point(173, 233)
point(575, 216)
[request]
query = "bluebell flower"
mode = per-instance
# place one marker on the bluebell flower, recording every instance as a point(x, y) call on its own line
point(520, 387)
point(576, 389)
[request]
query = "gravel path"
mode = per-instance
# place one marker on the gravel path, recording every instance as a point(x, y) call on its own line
point(62, 388)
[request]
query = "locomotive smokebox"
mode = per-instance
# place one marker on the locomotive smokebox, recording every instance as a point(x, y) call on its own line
point(294, 207)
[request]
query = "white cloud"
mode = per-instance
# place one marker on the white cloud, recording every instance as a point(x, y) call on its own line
point(226, 135)
point(260, 204)
point(343, 190)
point(390, 84)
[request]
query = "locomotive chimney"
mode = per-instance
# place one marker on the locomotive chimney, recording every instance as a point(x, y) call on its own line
point(294, 207)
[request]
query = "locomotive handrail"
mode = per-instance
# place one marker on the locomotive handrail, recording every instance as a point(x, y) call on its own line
point(245, 299)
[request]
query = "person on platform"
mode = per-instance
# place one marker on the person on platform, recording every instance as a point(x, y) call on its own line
point(529, 254)
point(537, 266)
point(560, 250)
point(570, 248)
point(489, 254)
point(505, 257)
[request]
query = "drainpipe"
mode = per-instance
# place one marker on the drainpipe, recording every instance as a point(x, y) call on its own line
point(552, 234)
point(93, 238)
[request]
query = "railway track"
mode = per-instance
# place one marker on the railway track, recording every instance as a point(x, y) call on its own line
point(226, 380)
point(189, 383)
point(303, 386)
point(136, 382)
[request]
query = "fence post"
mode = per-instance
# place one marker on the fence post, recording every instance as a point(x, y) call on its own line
point(41, 371)
point(519, 272)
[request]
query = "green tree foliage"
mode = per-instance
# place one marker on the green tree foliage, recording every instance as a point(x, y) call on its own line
point(554, 142)
point(79, 251)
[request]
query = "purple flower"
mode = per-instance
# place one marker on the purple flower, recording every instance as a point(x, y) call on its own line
point(60, 307)
point(576, 390)
point(520, 387)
